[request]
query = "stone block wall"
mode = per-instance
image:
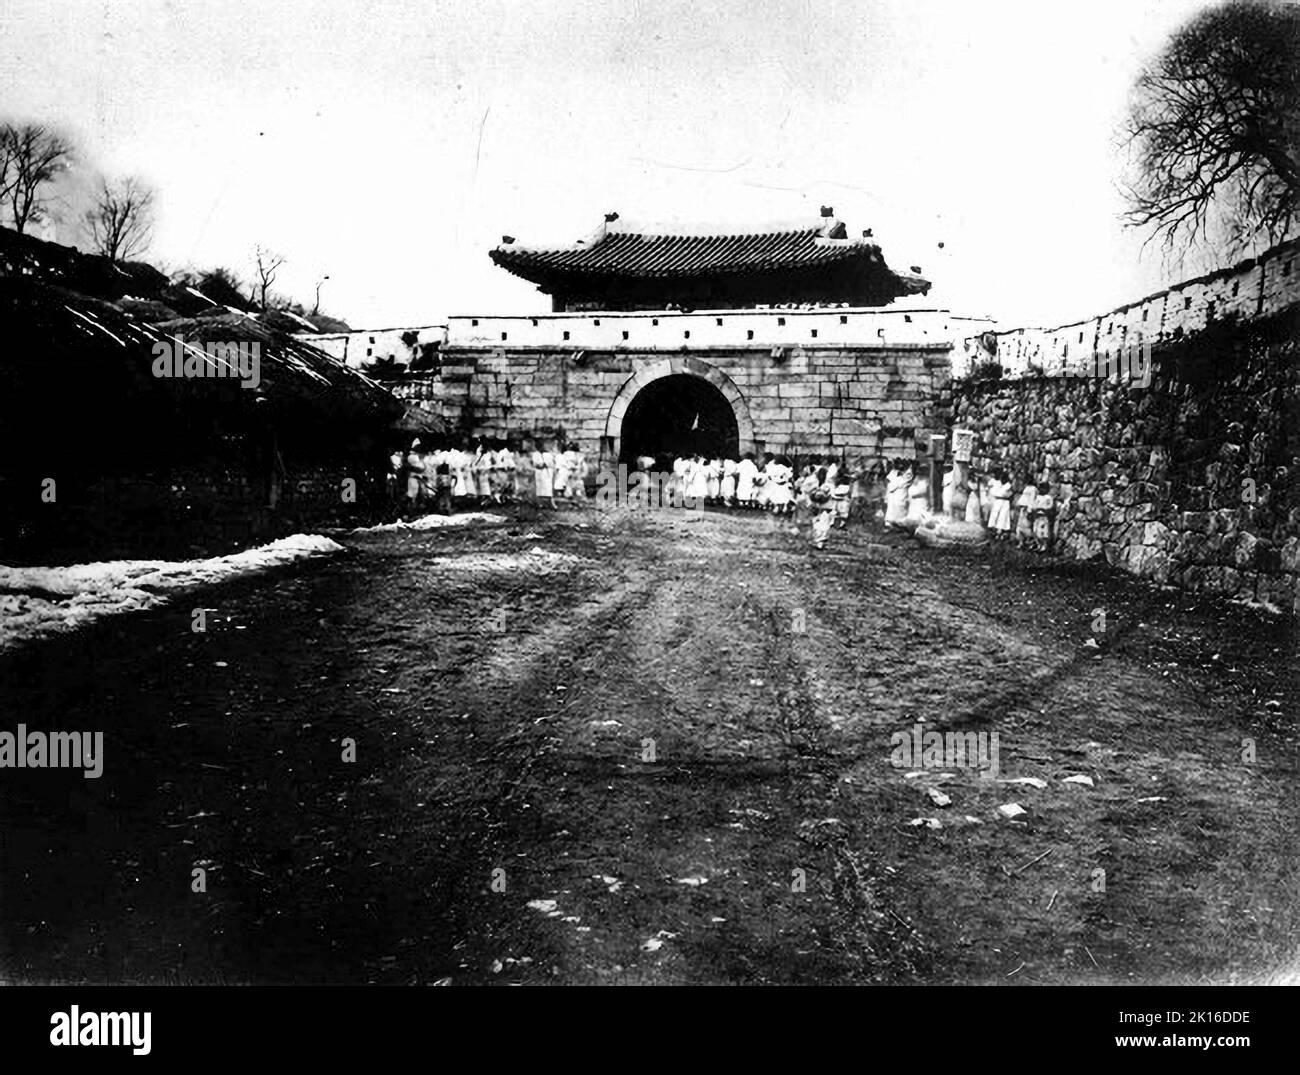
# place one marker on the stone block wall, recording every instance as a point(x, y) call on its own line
point(860, 402)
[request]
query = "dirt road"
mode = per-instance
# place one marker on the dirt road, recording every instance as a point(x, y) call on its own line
point(593, 747)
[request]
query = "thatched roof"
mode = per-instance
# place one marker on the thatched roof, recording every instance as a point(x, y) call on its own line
point(292, 371)
point(420, 420)
point(65, 266)
point(71, 358)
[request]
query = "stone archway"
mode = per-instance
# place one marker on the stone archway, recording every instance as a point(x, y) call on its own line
point(678, 366)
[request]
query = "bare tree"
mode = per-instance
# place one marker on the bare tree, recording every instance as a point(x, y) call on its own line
point(268, 264)
point(32, 156)
point(121, 221)
point(7, 169)
point(1215, 128)
point(319, 284)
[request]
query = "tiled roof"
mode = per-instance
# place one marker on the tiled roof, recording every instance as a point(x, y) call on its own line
point(676, 256)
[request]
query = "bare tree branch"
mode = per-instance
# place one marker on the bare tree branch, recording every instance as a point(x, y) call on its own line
point(268, 264)
point(31, 155)
point(121, 221)
point(1214, 129)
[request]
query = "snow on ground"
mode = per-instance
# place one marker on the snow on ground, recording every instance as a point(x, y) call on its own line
point(432, 522)
point(536, 559)
point(301, 320)
point(39, 601)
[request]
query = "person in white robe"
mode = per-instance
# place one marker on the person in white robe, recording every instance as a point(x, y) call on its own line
point(505, 470)
point(481, 467)
point(746, 473)
point(974, 504)
point(763, 492)
point(697, 481)
point(727, 487)
point(560, 476)
point(1025, 514)
point(463, 485)
point(576, 464)
point(999, 493)
point(780, 494)
point(918, 499)
point(544, 474)
point(896, 486)
point(677, 483)
point(713, 479)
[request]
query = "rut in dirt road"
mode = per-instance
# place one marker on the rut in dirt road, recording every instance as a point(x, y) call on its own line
point(601, 747)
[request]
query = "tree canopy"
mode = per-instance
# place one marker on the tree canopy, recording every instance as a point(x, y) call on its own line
point(1215, 129)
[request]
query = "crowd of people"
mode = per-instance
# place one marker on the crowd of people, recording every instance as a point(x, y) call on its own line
point(478, 473)
point(819, 493)
point(989, 499)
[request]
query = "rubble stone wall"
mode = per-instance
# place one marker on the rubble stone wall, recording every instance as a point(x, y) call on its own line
point(1192, 480)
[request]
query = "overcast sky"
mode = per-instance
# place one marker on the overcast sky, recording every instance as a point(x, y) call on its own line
point(390, 144)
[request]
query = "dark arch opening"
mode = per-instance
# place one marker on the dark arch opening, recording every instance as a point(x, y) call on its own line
point(676, 416)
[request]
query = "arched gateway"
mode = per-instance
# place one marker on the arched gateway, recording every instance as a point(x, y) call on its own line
point(677, 406)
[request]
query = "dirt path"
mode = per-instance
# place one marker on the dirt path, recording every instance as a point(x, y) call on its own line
point(672, 737)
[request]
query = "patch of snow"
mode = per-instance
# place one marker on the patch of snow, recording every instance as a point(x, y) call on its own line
point(432, 522)
point(94, 324)
point(534, 560)
point(300, 320)
point(83, 593)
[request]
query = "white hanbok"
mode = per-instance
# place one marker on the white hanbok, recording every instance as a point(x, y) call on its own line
point(561, 479)
point(713, 478)
point(779, 477)
point(697, 481)
point(974, 507)
point(460, 469)
point(728, 486)
point(1000, 506)
point(576, 463)
point(918, 499)
point(746, 472)
point(896, 497)
point(544, 474)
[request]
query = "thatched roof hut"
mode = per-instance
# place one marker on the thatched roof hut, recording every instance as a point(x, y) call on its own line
point(420, 421)
point(78, 367)
point(65, 266)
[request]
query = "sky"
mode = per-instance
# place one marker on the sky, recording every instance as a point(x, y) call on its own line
point(390, 144)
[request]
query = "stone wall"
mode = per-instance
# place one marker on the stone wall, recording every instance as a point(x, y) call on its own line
point(865, 403)
point(363, 346)
point(1193, 480)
